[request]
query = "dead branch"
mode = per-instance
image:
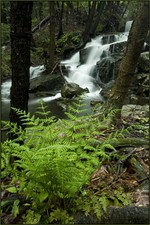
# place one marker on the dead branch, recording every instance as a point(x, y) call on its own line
point(41, 24)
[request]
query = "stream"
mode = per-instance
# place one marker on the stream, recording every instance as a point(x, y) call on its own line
point(82, 74)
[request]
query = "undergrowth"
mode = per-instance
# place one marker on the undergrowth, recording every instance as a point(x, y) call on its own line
point(52, 168)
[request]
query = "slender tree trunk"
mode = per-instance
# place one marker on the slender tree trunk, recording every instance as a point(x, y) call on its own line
point(89, 7)
point(52, 35)
point(128, 64)
point(60, 33)
point(86, 32)
point(100, 7)
point(20, 22)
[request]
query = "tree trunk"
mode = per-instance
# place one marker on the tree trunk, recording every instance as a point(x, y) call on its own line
point(100, 8)
point(61, 11)
point(86, 32)
point(20, 20)
point(89, 7)
point(128, 64)
point(52, 35)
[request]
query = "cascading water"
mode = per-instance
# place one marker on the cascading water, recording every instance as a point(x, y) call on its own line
point(84, 74)
point(5, 88)
point(33, 101)
point(128, 25)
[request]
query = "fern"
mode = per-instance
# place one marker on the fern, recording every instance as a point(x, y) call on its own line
point(56, 160)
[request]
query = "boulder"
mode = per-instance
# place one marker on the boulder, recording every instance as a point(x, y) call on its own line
point(107, 39)
point(106, 89)
point(49, 82)
point(135, 111)
point(107, 68)
point(70, 90)
point(118, 48)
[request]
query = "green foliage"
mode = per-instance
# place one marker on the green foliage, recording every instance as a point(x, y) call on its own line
point(5, 29)
point(55, 163)
point(60, 215)
point(67, 40)
point(99, 203)
point(31, 217)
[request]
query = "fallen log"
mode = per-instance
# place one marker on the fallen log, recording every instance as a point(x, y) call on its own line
point(129, 142)
point(117, 215)
point(41, 24)
point(124, 142)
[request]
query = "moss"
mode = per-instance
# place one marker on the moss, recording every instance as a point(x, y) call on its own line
point(5, 30)
point(67, 40)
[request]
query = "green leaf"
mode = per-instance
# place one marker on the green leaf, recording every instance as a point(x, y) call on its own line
point(12, 189)
point(15, 208)
point(43, 196)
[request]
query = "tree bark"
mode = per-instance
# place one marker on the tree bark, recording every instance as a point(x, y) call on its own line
point(100, 7)
point(86, 32)
point(128, 64)
point(52, 35)
point(20, 19)
point(61, 11)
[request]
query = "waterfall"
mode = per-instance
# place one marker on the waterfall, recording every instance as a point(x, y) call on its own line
point(36, 71)
point(128, 26)
point(84, 74)
point(5, 87)
point(5, 90)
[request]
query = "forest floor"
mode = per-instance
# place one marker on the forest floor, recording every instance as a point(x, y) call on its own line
point(127, 177)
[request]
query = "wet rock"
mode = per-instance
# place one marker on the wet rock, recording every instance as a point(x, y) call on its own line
point(70, 90)
point(46, 83)
point(107, 39)
point(135, 111)
point(118, 48)
point(107, 68)
point(45, 93)
point(106, 89)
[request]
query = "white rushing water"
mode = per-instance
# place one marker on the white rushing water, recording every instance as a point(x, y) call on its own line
point(128, 25)
point(83, 74)
point(35, 71)
point(33, 100)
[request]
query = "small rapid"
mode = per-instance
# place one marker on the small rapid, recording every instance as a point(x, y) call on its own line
point(85, 74)
point(80, 70)
point(33, 100)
